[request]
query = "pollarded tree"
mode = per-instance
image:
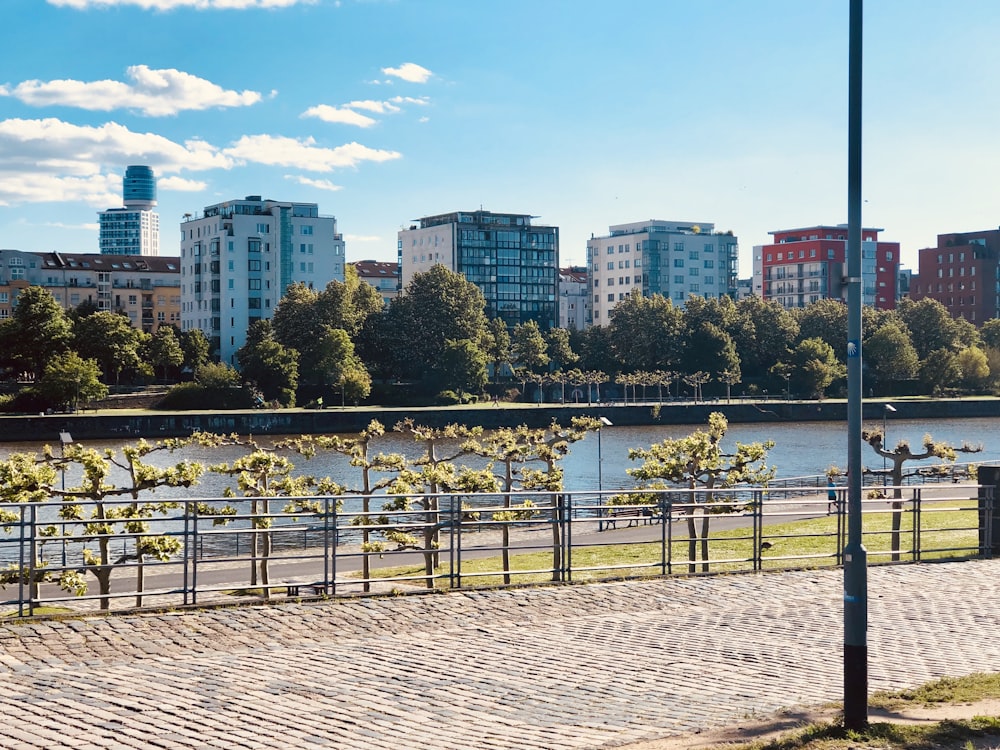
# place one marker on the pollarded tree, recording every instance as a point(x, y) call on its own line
point(39, 329)
point(699, 463)
point(378, 471)
point(425, 477)
point(901, 455)
point(264, 474)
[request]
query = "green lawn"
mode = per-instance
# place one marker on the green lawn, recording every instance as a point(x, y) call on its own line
point(945, 533)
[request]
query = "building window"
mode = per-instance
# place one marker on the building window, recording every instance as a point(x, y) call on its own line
point(678, 263)
point(253, 284)
point(611, 265)
point(264, 228)
point(306, 229)
point(611, 250)
point(611, 298)
point(253, 265)
point(253, 246)
point(678, 279)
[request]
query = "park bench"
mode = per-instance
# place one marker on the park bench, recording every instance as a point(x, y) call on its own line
point(636, 516)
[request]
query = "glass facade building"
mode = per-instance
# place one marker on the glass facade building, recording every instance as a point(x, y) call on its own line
point(514, 263)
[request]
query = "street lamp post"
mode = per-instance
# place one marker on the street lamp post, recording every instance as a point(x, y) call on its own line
point(605, 422)
point(885, 439)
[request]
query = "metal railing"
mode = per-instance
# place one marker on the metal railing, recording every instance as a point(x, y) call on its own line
point(456, 541)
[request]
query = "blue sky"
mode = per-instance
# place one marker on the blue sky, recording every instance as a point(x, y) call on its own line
point(582, 113)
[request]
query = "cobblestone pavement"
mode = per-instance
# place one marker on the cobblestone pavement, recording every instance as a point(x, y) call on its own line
point(551, 667)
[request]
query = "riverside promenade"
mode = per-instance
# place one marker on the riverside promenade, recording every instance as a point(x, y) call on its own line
point(582, 666)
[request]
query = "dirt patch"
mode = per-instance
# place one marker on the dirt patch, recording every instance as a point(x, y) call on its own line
point(781, 724)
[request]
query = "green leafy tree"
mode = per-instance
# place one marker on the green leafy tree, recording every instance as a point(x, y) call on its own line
point(69, 379)
point(528, 347)
point(898, 457)
point(974, 366)
point(940, 370)
point(349, 303)
point(462, 367)
point(561, 354)
point(271, 367)
point(990, 333)
point(496, 346)
point(646, 333)
point(217, 376)
point(889, 354)
point(196, 348)
point(38, 330)
point(339, 367)
point(762, 332)
point(813, 366)
point(710, 349)
point(699, 463)
point(932, 327)
point(110, 339)
point(593, 344)
point(165, 351)
point(437, 306)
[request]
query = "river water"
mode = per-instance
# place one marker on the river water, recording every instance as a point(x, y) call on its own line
point(800, 449)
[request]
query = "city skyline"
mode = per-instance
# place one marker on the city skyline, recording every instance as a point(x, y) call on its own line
point(581, 113)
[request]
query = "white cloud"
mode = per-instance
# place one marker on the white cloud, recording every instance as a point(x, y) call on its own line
point(90, 226)
point(326, 113)
point(174, 4)
point(374, 106)
point(409, 72)
point(303, 154)
point(151, 92)
point(181, 184)
point(421, 100)
point(424, 119)
point(362, 238)
point(318, 184)
point(52, 160)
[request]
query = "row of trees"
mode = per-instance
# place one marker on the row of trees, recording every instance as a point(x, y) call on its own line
point(337, 342)
point(113, 494)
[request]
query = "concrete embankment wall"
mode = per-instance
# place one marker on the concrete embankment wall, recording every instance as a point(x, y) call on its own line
point(154, 425)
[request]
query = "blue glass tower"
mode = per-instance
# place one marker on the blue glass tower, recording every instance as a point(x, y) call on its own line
point(139, 187)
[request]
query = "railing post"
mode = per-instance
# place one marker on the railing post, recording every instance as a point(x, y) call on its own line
point(187, 551)
point(988, 526)
point(566, 501)
point(22, 543)
point(33, 587)
point(917, 497)
point(758, 529)
point(331, 582)
point(665, 525)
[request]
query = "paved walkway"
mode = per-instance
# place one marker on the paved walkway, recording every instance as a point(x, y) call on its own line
point(552, 667)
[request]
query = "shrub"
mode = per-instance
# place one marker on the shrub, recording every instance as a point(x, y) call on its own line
point(189, 396)
point(447, 398)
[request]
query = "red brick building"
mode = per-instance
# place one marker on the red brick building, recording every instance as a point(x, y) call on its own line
point(806, 265)
point(961, 273)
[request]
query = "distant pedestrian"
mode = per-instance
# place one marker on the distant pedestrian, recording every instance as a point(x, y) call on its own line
point(831, 495)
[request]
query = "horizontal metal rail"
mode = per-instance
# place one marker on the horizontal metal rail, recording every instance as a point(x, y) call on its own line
point(186, 555)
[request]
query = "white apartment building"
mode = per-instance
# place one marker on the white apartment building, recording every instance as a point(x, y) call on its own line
point(574, 298)
point(240, 256)
point(671, 258)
